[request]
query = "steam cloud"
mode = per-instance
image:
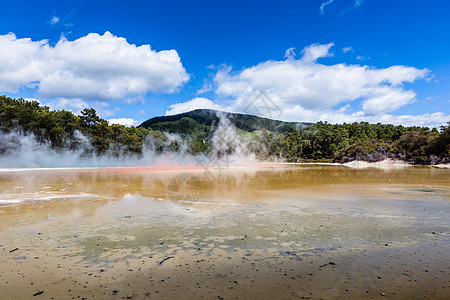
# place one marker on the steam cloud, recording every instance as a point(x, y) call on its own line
point(22, 150)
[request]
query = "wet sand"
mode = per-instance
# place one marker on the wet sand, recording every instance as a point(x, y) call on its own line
point(267, 232)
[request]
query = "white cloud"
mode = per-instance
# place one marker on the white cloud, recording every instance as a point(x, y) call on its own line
point(362, 58)
point(348, 49)
point(343, 5)
point(196, 103)
point(54, 20)
point(124, 121)
point(73, 105)
point(324, 5)
point(429, 99)
point(356, 4)
point(306, 90)
point(311, 85)
point(298, 113)
point(387, 99)
point(207, 87)
point(316, 51)
point(76, 105)
point(290, 54)
point(102, 67)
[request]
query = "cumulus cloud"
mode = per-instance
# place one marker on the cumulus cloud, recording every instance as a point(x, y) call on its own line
point(73, 105)
point(76, 105)
point(306, 90)
point(311, 53)
point(306, 83)
point(124, 121)
point(387, 99)
point(102, 67)
point(196, 103)
point(297, 113)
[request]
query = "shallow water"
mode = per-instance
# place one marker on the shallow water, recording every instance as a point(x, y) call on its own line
point(193, 229)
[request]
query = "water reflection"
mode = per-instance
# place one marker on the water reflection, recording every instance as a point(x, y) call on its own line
point(61, 192)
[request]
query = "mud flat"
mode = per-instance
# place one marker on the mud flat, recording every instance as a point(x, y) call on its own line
point(266, 232)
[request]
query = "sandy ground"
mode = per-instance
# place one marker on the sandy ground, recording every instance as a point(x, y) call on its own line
point(252, 234)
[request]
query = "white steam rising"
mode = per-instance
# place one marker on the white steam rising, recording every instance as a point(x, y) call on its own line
point(229, 147)
point(24, 151)
point(19, 150)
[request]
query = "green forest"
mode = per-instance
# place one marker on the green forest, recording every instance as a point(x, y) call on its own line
point(195, 133)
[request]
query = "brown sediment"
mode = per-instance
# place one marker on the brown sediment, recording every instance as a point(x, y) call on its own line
point(262, 233)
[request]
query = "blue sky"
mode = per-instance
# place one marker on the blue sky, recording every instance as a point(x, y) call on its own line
point(334, 60)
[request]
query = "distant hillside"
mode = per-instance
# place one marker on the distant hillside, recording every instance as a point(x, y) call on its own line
point(199, 118)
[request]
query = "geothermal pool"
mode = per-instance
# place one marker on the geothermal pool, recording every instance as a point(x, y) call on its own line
point(259, 232)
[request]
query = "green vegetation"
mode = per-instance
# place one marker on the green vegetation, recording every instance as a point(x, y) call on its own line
point(64, 130)
point(193, 133)
point(211, 118)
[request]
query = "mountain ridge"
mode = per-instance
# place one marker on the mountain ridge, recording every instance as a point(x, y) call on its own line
point(209, 117)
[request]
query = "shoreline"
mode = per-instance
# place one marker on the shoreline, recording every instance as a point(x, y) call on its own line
point(361, 164)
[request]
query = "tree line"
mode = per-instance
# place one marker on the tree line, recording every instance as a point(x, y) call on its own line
point(62, 129)
point(321, 141)
point(346, 142)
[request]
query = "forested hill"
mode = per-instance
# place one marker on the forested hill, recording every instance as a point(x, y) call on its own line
point(196, 132)
point(208, 117)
